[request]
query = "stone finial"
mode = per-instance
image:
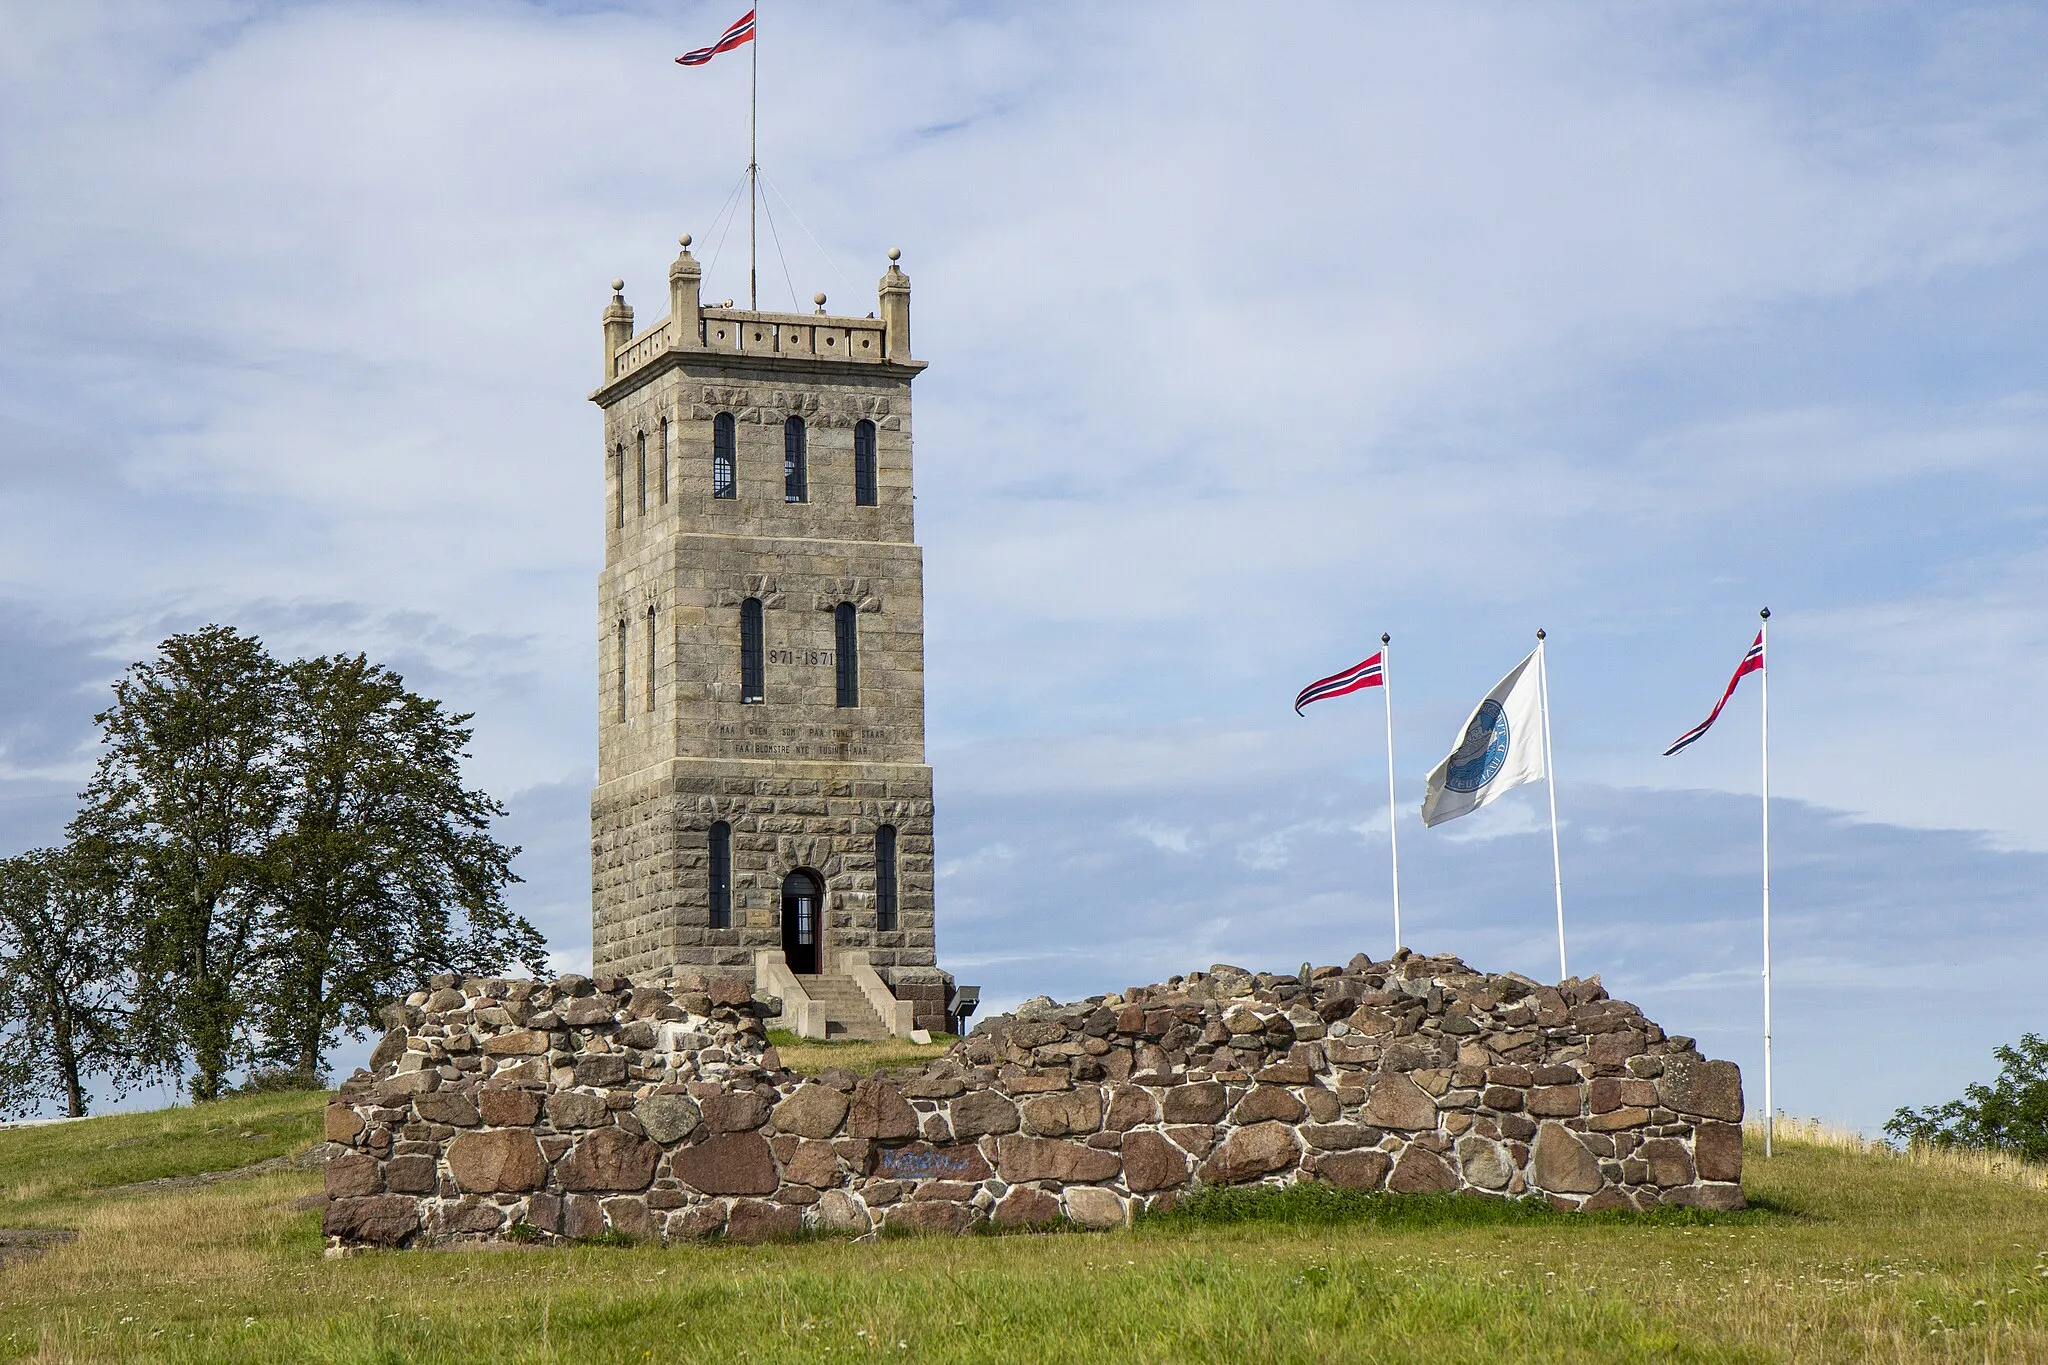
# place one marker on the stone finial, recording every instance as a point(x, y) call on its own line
point(894, 294)
point(685, 281)
point(819, 299)
point(618, 328)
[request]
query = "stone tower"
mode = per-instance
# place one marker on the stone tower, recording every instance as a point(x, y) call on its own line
point(762, 801)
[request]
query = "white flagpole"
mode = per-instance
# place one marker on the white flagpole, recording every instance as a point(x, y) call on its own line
point(1550, 781)
point(753, 159)
point(1764, 678)
point(1393, 812)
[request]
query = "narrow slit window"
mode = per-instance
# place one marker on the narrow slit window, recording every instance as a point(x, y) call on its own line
point(640, 449)
point(864, 464)
point(846, 644)
point(622, 668)
point(619, 481)
point(721, 875)
point(885, 877)
point(724, 461)
point(795, 478)
point(662, 485)
point(752, 674)
point(650, 659)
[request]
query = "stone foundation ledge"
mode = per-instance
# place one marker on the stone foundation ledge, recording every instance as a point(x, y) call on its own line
point(655, 1107)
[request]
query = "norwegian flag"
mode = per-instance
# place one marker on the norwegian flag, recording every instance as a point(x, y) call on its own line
point(1752, 662)
point(742, 31)
point(1366, 673)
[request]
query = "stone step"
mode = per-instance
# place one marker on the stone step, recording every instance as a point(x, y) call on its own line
point(848, 1015)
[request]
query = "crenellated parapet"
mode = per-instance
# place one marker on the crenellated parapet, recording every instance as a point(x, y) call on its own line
point(881, 338)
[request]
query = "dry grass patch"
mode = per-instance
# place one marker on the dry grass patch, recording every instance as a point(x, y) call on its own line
point(49, 1175)
point(807, 1057)
point(1972, 1161)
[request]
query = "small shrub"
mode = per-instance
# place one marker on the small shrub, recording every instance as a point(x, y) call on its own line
point(274, 1080)
point(2009, 1115)
point(523, 1231)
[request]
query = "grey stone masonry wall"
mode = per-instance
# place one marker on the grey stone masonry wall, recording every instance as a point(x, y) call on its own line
point(803, 780)
point(658, 1110)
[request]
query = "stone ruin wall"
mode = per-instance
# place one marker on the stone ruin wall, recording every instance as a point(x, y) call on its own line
point(657, 1109)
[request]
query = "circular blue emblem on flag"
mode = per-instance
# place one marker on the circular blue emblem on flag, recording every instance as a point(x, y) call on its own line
point(1483, 752)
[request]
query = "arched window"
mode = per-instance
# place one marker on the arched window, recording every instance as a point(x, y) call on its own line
point(650, 659)
point(663, 484)
point(622, 663)
point(619, 480)
point(885, 877)
point(640, 449)
point(864, 463)
point(846, 641)
point(752, 674)
point(721, 876)
point(795, 479)
point(724, 462)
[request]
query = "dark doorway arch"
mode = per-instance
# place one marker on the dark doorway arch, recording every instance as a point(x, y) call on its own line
point(803, 919)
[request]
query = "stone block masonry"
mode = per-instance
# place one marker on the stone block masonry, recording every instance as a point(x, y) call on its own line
point(760, 644)
point(656, 1108)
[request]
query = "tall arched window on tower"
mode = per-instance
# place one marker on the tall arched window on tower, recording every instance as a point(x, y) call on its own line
point(864, 463)
point(622, 663)
point(752, 674)
point(725, 481)
point(650, 660)
point(885, 877)
point(640, 450)
point(619, 481)
point(663, 484)
point(721, 876)
point(846, 644)
point(795, 478)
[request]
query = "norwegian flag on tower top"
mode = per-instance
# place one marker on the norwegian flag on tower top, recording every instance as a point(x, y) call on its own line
point(1752, 662)
point(1366, 673)
point(742, 31)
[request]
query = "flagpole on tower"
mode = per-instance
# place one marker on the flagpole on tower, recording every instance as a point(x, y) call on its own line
point(1764, 684)
point(1393, 811)
point(1550, 783)
point(753, 159)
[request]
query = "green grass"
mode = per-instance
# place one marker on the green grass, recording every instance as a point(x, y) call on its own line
point(807, 1057)
point(1852, 1256)
point(49, 1173)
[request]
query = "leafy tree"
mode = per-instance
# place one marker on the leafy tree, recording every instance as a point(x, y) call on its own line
point(2010, 1114)
point(384, 870)
point(64, 984)
point(184, 808)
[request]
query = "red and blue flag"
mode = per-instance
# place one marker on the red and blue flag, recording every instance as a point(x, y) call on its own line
point(1366, 673)
point(742, 31)
point(1752, 662)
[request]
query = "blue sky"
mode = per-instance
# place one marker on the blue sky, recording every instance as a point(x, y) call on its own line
point(1449, 321)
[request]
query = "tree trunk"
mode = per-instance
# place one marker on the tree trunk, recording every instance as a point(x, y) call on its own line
point(312, 1026)
point(67, 1057)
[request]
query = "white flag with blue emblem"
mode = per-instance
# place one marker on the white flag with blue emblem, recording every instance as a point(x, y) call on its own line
point(1501, 747)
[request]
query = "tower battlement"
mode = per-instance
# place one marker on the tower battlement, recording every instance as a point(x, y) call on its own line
point(881, 338)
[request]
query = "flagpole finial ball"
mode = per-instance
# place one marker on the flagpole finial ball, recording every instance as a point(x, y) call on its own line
point(618, 286)
point(1385, 638)
point(685, 240)
point(894, 254)
point(1539, 632)
point(1765, 613)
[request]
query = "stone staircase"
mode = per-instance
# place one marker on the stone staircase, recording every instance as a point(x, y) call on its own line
point(848, 1015)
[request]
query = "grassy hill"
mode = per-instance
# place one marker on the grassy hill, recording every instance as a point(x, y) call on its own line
point(1848, 1255)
